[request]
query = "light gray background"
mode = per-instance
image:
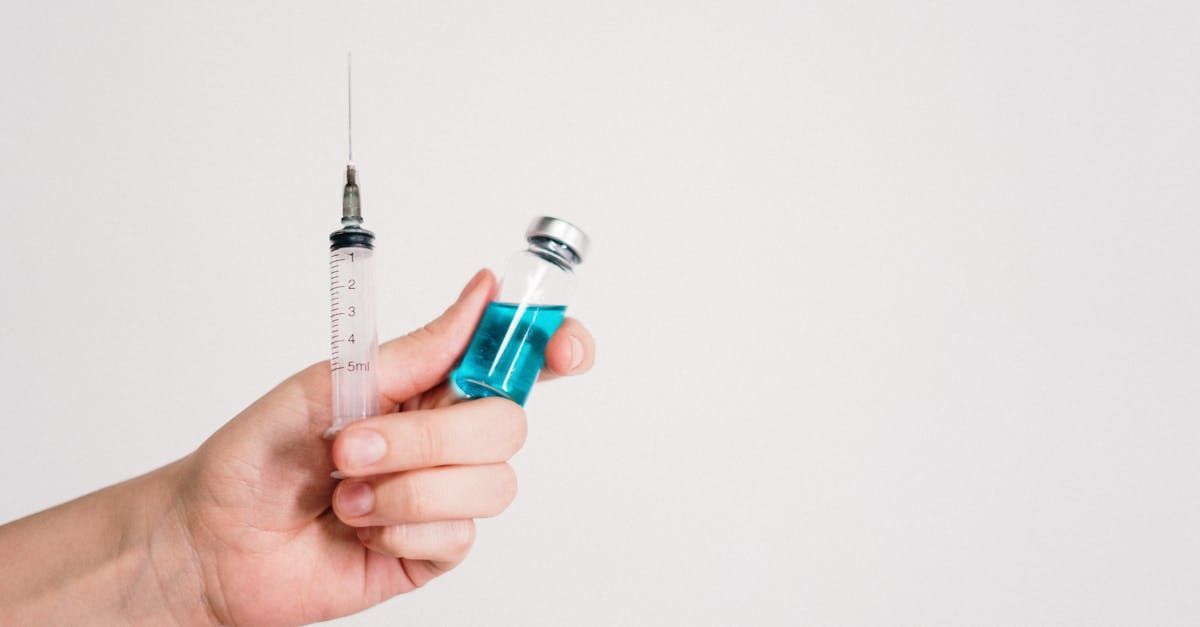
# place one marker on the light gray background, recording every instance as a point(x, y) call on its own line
point(897, 303)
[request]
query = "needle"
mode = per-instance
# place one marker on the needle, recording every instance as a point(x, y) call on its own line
point(351, 204)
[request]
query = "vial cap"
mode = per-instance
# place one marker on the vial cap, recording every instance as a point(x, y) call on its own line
point(561, 231)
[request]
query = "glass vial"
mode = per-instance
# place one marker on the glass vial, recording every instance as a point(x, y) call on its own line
point(508, 349)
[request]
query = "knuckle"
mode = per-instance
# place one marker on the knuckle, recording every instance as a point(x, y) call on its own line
point(431, 333)
point(427, 444)
point(413, 505)
point(423, 333)
point(430, 336)
point(462, 534)
point(394, 539)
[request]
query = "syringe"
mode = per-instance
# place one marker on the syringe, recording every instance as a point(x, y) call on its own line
point(354, 343)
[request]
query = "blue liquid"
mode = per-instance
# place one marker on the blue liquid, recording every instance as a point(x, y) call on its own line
point(506, 353)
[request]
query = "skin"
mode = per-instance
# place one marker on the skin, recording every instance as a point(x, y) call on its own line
point(252, 529)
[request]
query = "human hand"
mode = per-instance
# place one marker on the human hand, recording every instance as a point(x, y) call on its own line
point(255, 498)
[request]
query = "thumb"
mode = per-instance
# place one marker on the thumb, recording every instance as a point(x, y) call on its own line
point(420, 360)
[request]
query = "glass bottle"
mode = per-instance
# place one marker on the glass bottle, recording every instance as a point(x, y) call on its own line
point(508, 349)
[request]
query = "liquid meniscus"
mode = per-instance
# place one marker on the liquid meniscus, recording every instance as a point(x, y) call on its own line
point(507, 351)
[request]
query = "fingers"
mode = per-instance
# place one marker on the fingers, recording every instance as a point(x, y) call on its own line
point(570, 351)
point(445, 541)
point(426, 550)
point(419, 360)
point(485, 431)
point(429, 494)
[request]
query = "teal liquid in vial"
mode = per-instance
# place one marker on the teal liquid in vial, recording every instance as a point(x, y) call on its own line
point(507, 351)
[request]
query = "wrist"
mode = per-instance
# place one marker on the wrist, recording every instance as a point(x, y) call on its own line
point(168, 567)
point(122, 554)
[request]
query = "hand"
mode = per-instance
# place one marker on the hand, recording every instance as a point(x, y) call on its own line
point(244, 530)
point(257, 498)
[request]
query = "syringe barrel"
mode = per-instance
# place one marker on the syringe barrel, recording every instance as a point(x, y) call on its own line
point(354, 343)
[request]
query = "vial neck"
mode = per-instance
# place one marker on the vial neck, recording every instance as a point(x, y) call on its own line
point(554, 252)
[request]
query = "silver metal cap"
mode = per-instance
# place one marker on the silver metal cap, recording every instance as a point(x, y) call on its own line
point(561, 231)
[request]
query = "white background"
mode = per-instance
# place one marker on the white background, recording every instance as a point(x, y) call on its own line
point(898, 303)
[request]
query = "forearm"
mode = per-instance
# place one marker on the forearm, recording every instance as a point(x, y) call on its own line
point(120, 555)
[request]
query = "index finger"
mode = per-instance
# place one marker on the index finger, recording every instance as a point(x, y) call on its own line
point(482, 431)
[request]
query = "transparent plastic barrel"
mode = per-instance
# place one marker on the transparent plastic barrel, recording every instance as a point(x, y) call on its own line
point(354, 346)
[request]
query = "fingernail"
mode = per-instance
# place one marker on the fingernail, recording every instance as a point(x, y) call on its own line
point(356, 499)
point(363, 447)
point(576, 352)
point(337, 474)
point(471, 284)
